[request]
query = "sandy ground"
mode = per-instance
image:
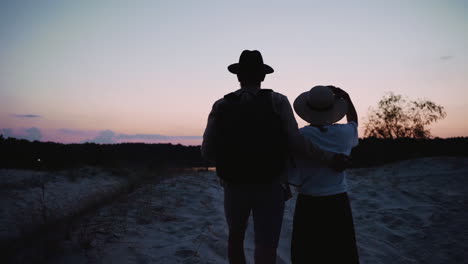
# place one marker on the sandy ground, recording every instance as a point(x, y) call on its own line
point(407, 212)
point(28, 198)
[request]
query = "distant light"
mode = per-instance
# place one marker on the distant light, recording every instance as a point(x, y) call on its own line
point(38, 160)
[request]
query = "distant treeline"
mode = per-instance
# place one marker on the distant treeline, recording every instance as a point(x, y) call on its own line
point(19, 153)
point(376, 151)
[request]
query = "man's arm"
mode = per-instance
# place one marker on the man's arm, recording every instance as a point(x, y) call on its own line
point(296, 142)
point(208, 145)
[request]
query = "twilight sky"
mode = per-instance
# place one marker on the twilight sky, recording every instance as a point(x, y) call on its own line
point(113, 71)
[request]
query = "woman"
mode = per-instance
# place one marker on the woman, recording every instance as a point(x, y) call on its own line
point(323, 229)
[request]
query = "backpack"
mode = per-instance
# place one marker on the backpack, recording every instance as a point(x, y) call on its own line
point(250, 140)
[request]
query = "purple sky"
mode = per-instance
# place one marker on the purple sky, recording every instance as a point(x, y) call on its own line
point(113, 71)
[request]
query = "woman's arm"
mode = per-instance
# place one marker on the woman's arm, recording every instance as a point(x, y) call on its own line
point(351, 115)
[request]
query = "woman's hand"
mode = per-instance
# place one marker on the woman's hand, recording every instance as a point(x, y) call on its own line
point(351, 115)
point(339, 93)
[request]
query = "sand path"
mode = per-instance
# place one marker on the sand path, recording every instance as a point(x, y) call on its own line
point(407, 212)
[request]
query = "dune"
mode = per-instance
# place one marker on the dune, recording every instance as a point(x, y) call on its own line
point(407, 212)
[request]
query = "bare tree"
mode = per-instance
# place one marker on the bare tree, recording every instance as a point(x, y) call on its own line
point(398, 117)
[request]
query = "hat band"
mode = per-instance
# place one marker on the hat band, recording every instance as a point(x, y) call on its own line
point(319, 109)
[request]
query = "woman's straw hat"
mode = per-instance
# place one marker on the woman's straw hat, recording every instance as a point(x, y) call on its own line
point(320, 106)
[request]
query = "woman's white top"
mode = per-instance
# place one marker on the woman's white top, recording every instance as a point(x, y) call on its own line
point(315, 179)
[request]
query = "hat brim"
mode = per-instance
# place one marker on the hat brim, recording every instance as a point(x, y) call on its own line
point(330, 116)
point(236, 68)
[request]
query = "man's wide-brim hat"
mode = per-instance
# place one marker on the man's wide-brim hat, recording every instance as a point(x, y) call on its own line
point(250, 61)
point(320, 106)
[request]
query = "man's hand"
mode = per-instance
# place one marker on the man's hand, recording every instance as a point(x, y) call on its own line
point(340, 162)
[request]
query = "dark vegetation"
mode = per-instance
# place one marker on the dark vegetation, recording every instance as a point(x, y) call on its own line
point(377, 151)
point(23, 154)
point(397, 129)
point(399, 117)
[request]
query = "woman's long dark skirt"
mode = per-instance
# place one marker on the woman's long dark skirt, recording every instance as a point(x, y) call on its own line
point(323, 230)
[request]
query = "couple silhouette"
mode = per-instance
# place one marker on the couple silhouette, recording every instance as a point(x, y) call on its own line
point(259, 152)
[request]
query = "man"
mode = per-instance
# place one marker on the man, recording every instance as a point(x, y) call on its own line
point(249, 136)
